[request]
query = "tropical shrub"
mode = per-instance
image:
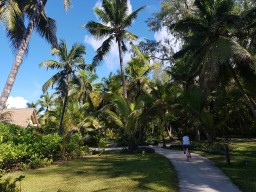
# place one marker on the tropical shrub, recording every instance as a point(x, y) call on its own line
point(8, 186)
point(23, 148)
point(74, 145)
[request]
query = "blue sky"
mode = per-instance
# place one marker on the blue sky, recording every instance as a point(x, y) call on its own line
point(27, 87)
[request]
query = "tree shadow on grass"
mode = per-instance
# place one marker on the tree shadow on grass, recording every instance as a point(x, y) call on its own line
point(140, 172)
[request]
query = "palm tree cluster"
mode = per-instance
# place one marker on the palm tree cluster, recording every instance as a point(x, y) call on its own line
point(206, 88)
point(217, 56)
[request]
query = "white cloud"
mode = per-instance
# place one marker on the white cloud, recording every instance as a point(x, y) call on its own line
point(160, 35)
point(94, 43)
point(111, 60)
point(163, 34)
point(129, 7)
point(16, 102)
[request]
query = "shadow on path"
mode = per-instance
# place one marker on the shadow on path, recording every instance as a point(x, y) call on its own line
point(199, 174)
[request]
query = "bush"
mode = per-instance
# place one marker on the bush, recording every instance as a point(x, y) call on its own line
point(74, 145)
point(8, 186)
point(26, 148)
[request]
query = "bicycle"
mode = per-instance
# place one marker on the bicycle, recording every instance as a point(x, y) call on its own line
point(187, 152)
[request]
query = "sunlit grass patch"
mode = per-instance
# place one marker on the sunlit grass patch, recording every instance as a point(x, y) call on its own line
point(112, 172)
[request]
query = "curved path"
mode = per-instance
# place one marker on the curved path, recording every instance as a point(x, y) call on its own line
point(198, 174)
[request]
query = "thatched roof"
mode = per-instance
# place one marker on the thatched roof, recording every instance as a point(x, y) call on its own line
point(22, 117)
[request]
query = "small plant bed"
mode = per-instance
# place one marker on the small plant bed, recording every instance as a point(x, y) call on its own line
point(111, 172)
point(243, 163)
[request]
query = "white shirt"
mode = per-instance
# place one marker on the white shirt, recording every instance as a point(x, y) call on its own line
point(185, 140)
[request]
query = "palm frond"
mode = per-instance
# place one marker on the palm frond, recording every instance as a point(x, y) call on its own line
point(76, 51)
point(95, 98)
point(130, 36)
point(46, 27)
point(121, 105)
point(51, 64)
point(189, 24)
point(128, 20)
point(204, 6)
point(114, 117)
point(120, 11)
point(102, 15)
point(98, 30)
point(61, 51)
point(51, 81)
point(12, 16)
point(102, 51)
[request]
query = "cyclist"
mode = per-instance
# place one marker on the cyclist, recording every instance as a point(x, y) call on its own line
point(186, 143)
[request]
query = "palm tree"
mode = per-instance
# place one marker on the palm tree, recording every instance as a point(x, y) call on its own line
point(115, 21)
point(31, 105)
point(84, 86)
point(211, 43)
point(137, 70)
point(128, 116)
point(46, 103)
point(68, 65)
point(111, 85)
point(46, 28)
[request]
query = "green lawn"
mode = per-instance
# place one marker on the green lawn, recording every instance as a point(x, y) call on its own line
point(242, 170)
point(114, 172)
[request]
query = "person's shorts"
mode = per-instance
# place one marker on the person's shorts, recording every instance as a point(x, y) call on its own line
point(186, 146)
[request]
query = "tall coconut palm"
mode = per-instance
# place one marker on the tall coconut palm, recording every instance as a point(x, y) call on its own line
point(212, 44)
point(46, 28)
point(68, 64)
point(115, 20)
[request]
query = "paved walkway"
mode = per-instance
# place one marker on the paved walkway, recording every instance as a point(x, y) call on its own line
point(198, 174)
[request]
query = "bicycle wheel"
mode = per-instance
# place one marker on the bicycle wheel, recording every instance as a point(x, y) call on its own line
point(187, 154)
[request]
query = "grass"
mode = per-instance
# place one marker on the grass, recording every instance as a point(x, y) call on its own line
point(242, 170)
point(113, 172)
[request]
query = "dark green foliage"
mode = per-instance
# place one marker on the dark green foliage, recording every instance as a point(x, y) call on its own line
point(26, 148)
point(73, 146)
point(8, 186)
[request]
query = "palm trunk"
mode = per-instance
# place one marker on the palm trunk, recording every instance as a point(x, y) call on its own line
point(61, 130)
point(19, 57)
point(250, 102)
point(17, 63)
point(122, 68)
